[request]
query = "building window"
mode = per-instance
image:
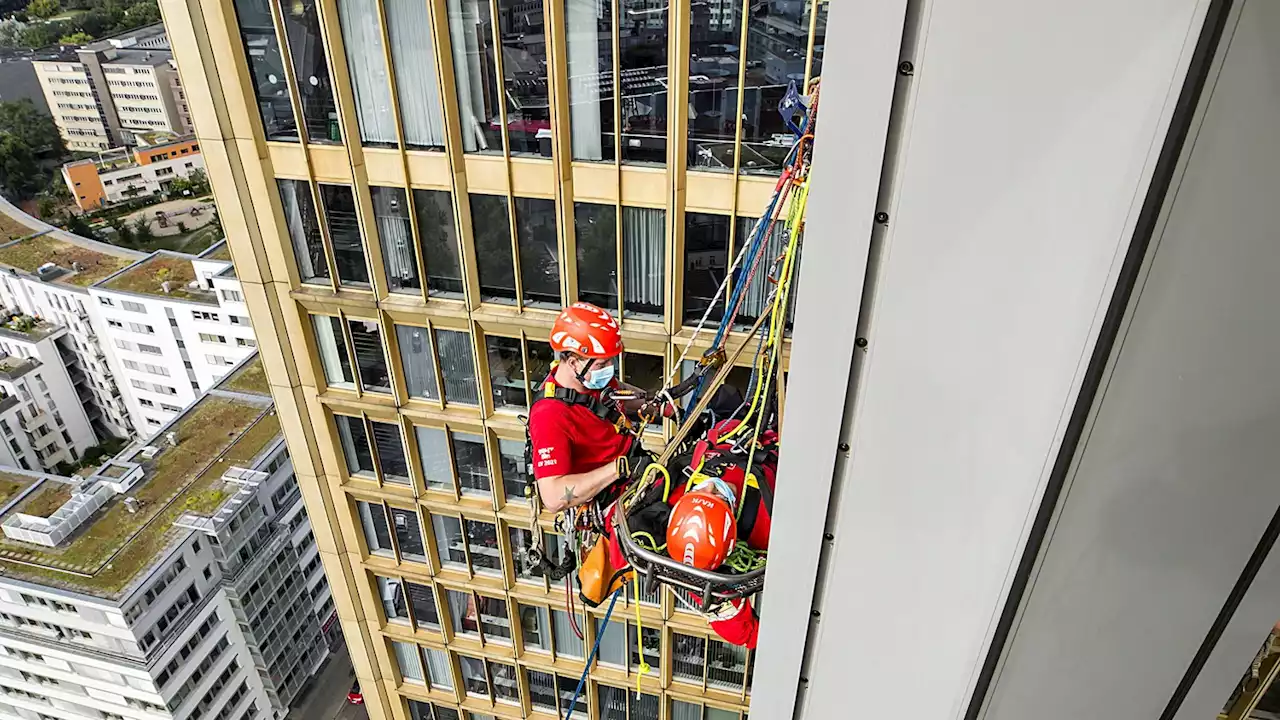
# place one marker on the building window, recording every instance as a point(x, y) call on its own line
point(567, 641)
point(413, 59)
point(643, 258)
point(423, 602)
point(506, 372)
point(595, 229)
point(462, 611)
point(471, 32)
point(706, 259)
point(648, 649)
point(524, 53)
point(516, 478)
point(457, 367)
point(474, 678)
point(393, 606)
point(390, 450)
point(362, 39)
point(408, 534)
point(133, 306)
point(726, 666)
point(433, 455)
point(756, 297)
point(319, 113)
point(471, 462)
point(521, 545)
point(714, 52)
point(374, 521)
point(232, 295)
point(589, 36)
point(371, 362)
point(489, 220)
point(416, 361)
point(643, 32)
point(304, 229)
point(448, 532)
point(333, 352)
point(439, 673)
point(539, 251)
point(407, 658)
point(771, 46)
point(482, 546)
point(355, 444)
point(688, 654)
point(339, 205)
point(439, 236)
point(391, 214)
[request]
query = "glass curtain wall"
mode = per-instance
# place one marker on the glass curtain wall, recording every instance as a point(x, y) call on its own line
point(715, 39)
point(304, 230)
point(491, 226)
point(266, 65)
point(589, 37)
point(539, 252)
point(642, 43)
point(777, 43)
point(474, 73)
point(417, 81)
point(522, 28)
point(395, 232)
point(644, 262)
point(339, 205)
point(311, 69)
point(439, 236)
point(595, 229)
point(366, 63)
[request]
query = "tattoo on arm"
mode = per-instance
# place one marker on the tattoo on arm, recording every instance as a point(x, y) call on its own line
point(568, 495)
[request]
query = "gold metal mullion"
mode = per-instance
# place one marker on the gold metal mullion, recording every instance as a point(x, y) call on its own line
point(524, 364)
point(413, 618)
point(351, 352)
point(617, 148)
point(493, 455)
point(488, 405)
point(453, 465)
point(435, 360)
point(322, 217)
point(618, 259)
point(554, 34)
point(419, 252)
point(677, 158)
point(391, 351)
point(506, 151)
point(746, 665)
point(413, 459)
point(515, 241)
point(475, 600)
point(391, 532)
point(466, 546)
point(373, 449)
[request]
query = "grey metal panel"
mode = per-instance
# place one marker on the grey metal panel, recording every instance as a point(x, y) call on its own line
point(1176, 480)
point(1028, 151)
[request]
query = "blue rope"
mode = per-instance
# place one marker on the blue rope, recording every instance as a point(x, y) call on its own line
point(582, 681)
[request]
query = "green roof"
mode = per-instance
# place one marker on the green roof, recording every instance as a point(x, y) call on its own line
point(147, 278)
point(115, 545)
point(33, 252)
point(219, 252)
point(11, 484)
point(251, 379)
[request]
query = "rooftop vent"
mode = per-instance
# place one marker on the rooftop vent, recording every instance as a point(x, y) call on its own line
point(148, 452)
point(47, 269)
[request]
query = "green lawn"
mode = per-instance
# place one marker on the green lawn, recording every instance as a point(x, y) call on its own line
point(11, 484)
point(51, 496)
point(146, 278)
point(32, 253)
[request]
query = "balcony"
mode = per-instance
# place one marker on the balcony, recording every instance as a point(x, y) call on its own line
point(30, 422)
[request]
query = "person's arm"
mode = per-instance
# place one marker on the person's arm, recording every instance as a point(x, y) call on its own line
point(559, 492)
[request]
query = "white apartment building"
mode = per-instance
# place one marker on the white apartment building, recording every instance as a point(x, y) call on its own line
point(47, 278)
point(42, 420)
point(73, 101)
point(175, 324)
point(172, 582)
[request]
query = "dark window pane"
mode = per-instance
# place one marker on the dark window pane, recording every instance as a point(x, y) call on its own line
point(648, 648)
point(457, 367)
point(386, 441)
point(311, 70)
point(524, 63)
point(416, 362)
point(567, 685)
point(439, 237)
point(715, 37)
point(595, 229)
point(423, 602)
point(304, 230)
point(420, 711)
point(642, 42)
point(355, 444)
point(408, 534)
point(417, 83)
point(373, 519)
point(777, 40)
point(344, 233)
point(444, 713)
point(589, 36)
point(482, 542)
point(506, 372)
point(366, 338)
point(333, 352)
point(489, 220)
point(493, 619)
point(706, 258)
point(612, 702)
point(539, 252)
point(515, 471)
point(433, 452)
point(448, 531)
point(391, 214)
point(521, 545)
point(687, 655)
point(392, 596)
point(266, 65)
point(726, 665)
point(643, 371)
point(472, 465)
point(474, 678)
point(367, 65)
point(475, 74)
point(643, 706)
point(643, 257)
point(535, 627)
point(540, 358)
point(542, 690)
point(505, 686)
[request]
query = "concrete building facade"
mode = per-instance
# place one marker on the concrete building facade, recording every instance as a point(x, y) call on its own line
point(128, 173)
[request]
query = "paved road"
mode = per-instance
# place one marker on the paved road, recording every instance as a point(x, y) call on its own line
point(37, 225)
point(327, 699)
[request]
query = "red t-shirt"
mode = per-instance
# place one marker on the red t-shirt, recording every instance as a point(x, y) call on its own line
point(569, 439)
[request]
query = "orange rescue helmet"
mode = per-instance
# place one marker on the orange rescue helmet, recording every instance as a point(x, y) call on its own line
point(702, 530)
point(586, 330)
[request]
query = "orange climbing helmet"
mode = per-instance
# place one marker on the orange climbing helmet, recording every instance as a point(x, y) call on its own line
point(586, 330)
point(702, 530)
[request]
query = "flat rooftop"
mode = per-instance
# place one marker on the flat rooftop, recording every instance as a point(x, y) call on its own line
point(13, 367)
point(95, 264)
point(217, 252)
point(25, 327)
point(250, 379)
point(115, 546)
point(147, 277)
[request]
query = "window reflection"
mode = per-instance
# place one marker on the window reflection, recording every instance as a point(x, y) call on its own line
point(433, 450)
point(366, 338)
point(589, 36)
point(643, 371)
point(393, 605)
point(642, 42)
point(524, 65)
point(439, 235)
point(415, 361)
point(266, 65)
point(714, 53)
point(373, 520)
point(311, 70)
point(539, 252)
point(423, 602)
point(304, 230)
point(457, 367)
point(482, 542)
point(540, 358)
point(463, 611)
point(706, 258)
point(472, 464)
point(521, 546)
point(355, 444)
point(474, 71)
point(506, 372)
point(595, 229)
point(408, 534)
point(492, 230)
point(333, 352)
point(819, 36)
point(777, 42)
point(515, 470)
point(344, 232)
point(395, 233)
point(448, 532)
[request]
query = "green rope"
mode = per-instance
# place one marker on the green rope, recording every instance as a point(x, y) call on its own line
point(743, 559)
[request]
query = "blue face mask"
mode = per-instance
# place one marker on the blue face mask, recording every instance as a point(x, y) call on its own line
point(598, 378)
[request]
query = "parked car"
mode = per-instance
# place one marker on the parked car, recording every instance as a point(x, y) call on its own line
point(353, 696)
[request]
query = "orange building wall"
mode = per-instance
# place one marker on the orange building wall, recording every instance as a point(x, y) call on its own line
point(145, 156)
point(82, 181)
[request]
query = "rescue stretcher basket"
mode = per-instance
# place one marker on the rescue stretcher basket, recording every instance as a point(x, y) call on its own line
point(658, 569)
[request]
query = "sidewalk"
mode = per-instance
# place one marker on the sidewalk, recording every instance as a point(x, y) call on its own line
point(327, 697)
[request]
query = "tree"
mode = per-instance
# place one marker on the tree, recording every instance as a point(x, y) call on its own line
point(38, 35)
point(78, 226)
point(19, 173)
point(142, 233)
point(10, 32)
point(27, 137)
point(124, 235)
point(43, 9)
point(143, 13)
point(78, 37)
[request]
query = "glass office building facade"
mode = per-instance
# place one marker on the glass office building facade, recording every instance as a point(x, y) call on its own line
point(411, 189)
